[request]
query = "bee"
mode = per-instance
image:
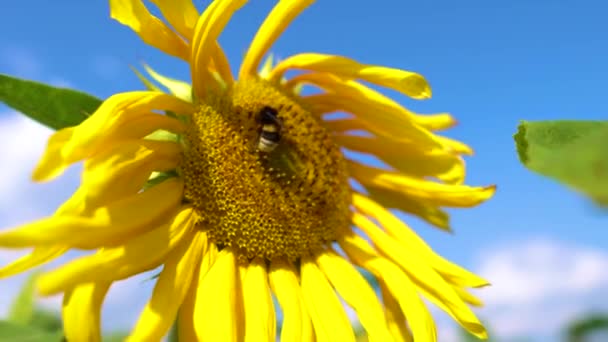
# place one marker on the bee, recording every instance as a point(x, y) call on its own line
point(271, 129)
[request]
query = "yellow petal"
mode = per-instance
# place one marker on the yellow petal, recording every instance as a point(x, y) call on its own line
point(436, 122)
point(134, 14)
point(39, 256)
point(181, 14)
point(328, 316)
point(434, 192)
point(264, 71)
point(169, 292)
point(82, 312)
point(118, 172)
point(283, 13)
point(409, 158)
point(120, 117)
point(467, 297)
point(356, 90)
point(398, 283)
point(427, 280)
point(185, 318)
point(455, 146)
point(216, 301)
point(412, 242)
point(425, 210)
point(180, 89)
point(138, 255)
point(107, 226)
point(378, 119)
point(286, 288)
point(208, 28)
point(260, 321)
point(356, 292)
point(406, 82)
point(395, 319)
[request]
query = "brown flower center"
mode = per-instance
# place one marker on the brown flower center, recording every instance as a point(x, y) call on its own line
point(263, 174)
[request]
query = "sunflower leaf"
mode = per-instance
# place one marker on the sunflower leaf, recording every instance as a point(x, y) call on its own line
point(572, 152)
point(22, 309)
point(52, 106)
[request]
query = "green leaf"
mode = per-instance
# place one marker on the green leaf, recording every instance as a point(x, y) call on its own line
point(11, 332)
point(22, 309)
point(584, 328)
point(572, 152)
point(54, 107)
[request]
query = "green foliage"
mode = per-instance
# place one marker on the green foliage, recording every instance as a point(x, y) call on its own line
point(26, 322)
point(22, 310)
point(54, 107)
point(11, 332)
point(572, 152)
point(582, 329)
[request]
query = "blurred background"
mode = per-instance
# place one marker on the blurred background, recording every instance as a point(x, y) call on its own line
point(490, 63)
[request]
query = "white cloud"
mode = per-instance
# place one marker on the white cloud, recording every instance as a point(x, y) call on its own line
point(539, 286)
point(22, 142)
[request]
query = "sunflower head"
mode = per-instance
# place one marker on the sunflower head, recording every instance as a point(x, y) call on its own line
point(240, 190)
point(281, 202)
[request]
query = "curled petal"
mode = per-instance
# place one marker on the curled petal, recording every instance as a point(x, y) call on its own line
point(109, 225)
point(138, 255)
point(83, 304)
point(283, 13)
point(437, 193)
point(171, 287)
point(406, 82)
point(134, 14)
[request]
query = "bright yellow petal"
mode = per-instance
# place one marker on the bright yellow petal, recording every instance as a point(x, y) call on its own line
point(185, 318)
point(427, 280)
point(107, 226)
point(222, 65)
point(82, 312)
point(356, 292)
point(138, 255)
point(216, 301)
point(286, 288)
point(394, 316)
point(378, 119)
point(466, 296)
point(456, 146)
point(134, 14)
point(283, 13)
point(412, 242)
point(409, 158)
point(39, 256)
point(208, 28)
point(260, 321)
point(118, 172)
point(328, 316)
point(171, 287)
point(420, 320)
point(120, 117)
point(181, 14)
point(356, 90)
point(406, 82)
point(180, 89)
point(426, 210)
point(434, 192)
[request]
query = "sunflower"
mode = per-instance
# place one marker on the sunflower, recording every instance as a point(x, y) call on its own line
point(239, 188)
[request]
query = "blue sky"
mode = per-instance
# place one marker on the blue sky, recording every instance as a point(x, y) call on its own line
point(490, 64)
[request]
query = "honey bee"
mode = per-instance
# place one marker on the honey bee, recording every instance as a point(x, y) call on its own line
point(271, 129)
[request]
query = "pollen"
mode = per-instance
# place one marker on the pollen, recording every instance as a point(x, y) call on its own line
point(284, 203)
